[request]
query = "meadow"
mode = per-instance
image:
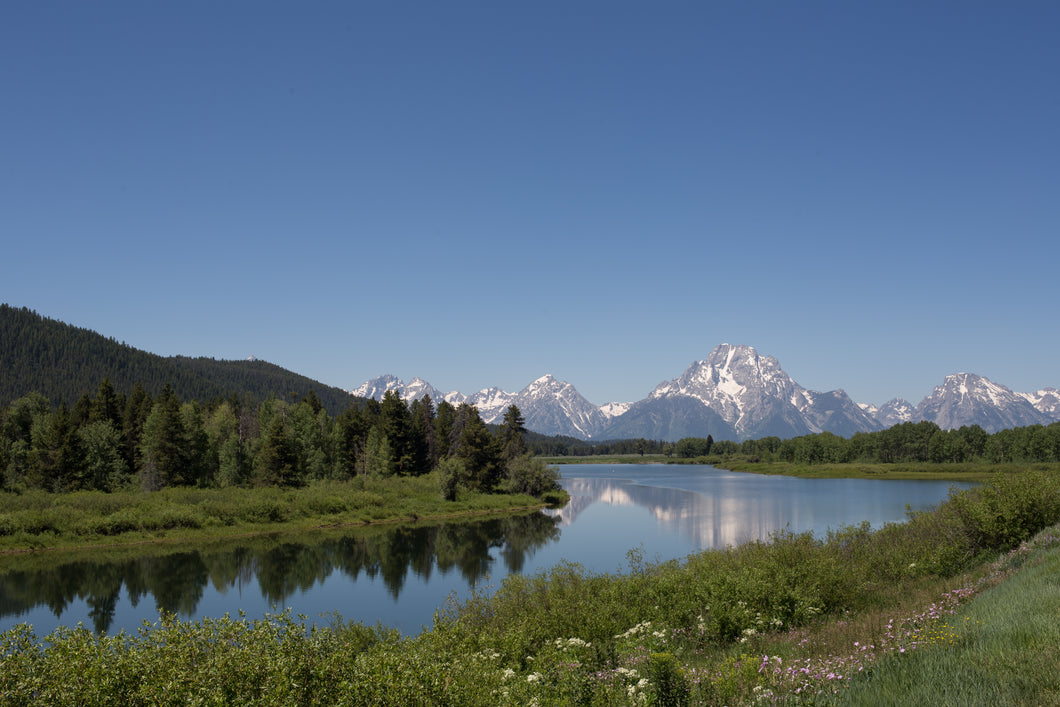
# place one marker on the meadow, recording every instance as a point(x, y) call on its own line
point(959, 600)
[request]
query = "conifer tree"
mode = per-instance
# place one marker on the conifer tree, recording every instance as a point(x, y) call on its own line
point(277, 462)
point(162, 444)
point(513, 433)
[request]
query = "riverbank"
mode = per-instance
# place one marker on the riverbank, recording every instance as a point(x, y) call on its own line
point(35, 520)
point(796, 620)
point(971, 471)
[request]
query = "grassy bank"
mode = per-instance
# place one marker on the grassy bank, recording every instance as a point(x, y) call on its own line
point(970, 471)
point(1002, 649)
point(798, 620)
point(36, 520)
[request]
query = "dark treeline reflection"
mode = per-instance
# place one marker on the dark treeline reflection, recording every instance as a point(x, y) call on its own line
point(280, 565)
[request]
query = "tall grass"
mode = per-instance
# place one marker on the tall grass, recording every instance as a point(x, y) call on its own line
point(1002, 649)
point(36, 519)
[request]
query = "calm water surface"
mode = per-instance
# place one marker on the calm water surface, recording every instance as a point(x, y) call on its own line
point(401, 575)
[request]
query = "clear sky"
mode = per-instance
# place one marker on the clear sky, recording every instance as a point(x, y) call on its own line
point(482, 193)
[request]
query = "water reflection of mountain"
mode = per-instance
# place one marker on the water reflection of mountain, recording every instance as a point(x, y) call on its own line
point(728, 514)
point(281, 566)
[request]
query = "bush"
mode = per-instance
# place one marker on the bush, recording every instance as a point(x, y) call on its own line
point(451, 475)
point(531, 476)
point(668, 683)
point(1009, 508)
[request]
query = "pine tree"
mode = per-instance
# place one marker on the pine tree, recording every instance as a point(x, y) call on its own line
point(513, 433)
point(277, 462)
point(162, 444)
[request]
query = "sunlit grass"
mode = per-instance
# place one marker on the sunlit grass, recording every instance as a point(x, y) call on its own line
point(36, 519)
point(1004, 648)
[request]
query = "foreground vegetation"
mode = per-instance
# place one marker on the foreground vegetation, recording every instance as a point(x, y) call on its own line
point(795, 620)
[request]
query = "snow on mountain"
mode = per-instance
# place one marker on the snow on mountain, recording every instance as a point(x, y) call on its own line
point(969, 399)
point(753, 395)
point(734, 381)
point(377, 387)
point(737, 393)
point(491, 404)
point(894, 412)
point(1046, 400)
point(611, 410)
point(835, 412)
point(549, 406)
point(413, 390)
point(554, 405)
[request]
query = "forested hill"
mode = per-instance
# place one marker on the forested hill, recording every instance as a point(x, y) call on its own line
point(64, 362)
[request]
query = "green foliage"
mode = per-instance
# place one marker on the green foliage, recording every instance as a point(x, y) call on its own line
point(278, 462)
point(690, 447)
point(479, 450)
point(910, 442)
point(451, 475)
point(531, 476)
point(512, 434)
point(104, 466)
point(105, 443)
point(36, 518)
point(669, 685)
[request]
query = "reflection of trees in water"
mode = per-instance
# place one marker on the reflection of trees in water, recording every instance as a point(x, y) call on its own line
point(177, 581)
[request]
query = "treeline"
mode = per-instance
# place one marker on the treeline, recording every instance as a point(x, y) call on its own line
point(563, 446)
point(113, 441)
point(64, 362)
point(921, 442)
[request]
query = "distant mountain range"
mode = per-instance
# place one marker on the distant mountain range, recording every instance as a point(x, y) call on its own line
point(736, 394)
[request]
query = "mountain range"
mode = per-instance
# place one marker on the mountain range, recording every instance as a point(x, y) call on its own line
point(737, 393)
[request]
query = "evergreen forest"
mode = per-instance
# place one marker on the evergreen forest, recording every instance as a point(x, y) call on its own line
point(63, 362)
point(111, 441)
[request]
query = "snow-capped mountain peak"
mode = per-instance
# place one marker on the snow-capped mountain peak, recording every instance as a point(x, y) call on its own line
point(967, 398)
point(1046, 400)
point(737, 393)
point(377, 387)
point(733, 381)
point(614, 409)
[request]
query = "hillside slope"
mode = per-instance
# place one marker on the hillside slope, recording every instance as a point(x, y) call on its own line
point(64, 362)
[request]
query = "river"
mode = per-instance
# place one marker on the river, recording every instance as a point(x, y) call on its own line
point(400, 575)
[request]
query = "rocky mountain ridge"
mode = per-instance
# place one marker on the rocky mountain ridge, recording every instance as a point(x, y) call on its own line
point(737, 393)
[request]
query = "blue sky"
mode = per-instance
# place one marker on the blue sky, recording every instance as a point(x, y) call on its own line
point(482, 193)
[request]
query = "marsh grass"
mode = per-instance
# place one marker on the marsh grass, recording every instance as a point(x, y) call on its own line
point(35, 519)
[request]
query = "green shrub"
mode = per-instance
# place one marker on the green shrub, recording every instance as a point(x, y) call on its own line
point(667, 680)
point(114, 524)
point(327, 505)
